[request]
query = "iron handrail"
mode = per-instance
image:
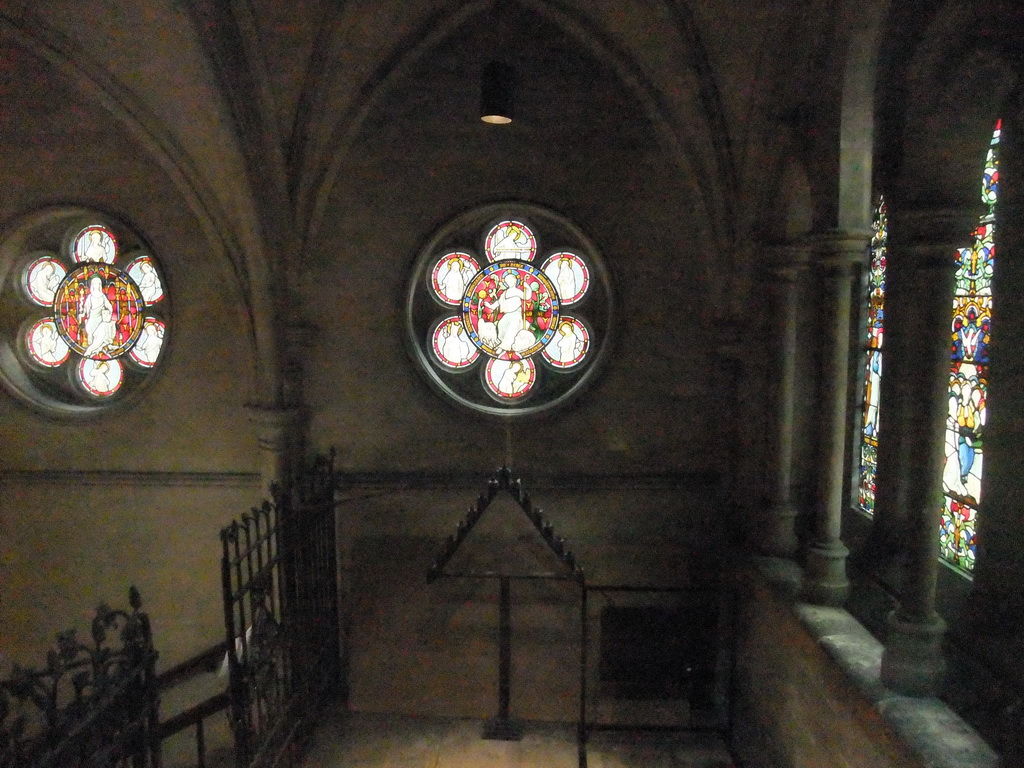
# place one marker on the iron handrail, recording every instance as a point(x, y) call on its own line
point(195, 716)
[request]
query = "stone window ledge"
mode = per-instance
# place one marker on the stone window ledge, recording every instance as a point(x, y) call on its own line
point(928, 726)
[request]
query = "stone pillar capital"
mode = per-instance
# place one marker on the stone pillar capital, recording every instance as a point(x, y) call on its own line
point(930, 236)
point(274, 425)
point(277, 433)
point(839, 249)
point(784, 262)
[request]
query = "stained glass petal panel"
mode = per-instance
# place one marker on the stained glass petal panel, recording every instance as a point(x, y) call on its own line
point(143, 271)
point(510, 239)
point(450, 276)
point(95, 243)
point(45, 344)
point(569, 274)
point(150, 344)
point(42, 279)
point(510, 379)
point(451, 345)
point(569, 346)
point(101, 378)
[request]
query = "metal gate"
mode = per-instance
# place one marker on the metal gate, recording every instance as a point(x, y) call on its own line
point(279, 576)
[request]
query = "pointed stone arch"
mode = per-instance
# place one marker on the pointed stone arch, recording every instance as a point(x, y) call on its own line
point(130, 109)
point(697, 144)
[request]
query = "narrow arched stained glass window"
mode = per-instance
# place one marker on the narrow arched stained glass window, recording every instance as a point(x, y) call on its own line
point(85, 310)
point(968, 378)
point(509, 309)
point(873, 362)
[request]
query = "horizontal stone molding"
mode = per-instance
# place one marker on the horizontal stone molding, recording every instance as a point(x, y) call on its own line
point(72, 477)
point(394, 481)
point(706, 482)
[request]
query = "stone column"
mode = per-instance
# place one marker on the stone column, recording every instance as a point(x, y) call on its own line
point(912, 662)
point(277, 432)
point(298, 338)
point(837, 253)
point(785, 263)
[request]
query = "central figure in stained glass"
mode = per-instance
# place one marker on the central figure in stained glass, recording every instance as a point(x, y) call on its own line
point(510, 309)
point(98, 311)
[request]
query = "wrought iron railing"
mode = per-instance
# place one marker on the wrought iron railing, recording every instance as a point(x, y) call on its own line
point(281, 617)
point(94, 705)
point(196, 716)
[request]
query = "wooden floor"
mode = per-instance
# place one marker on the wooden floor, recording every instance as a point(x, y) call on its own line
point(361, 740)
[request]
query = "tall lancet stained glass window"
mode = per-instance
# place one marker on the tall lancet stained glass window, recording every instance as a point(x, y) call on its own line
point(968, 378)
point(873, 363)
point(85, 317)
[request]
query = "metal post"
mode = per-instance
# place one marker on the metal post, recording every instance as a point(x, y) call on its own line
point(581, 733)
point(200, 744)
point(500, 727)
point(236, 685)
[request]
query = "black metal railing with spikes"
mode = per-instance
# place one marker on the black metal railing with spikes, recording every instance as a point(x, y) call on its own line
point(281, 617)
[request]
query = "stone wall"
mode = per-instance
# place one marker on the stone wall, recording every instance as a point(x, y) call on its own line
point(68, 543)
point(431, 649)
point(135, 494)
point(809, 691)
point(794, 707)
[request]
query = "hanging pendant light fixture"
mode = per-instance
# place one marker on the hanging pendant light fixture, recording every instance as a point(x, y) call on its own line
point(497, 90)
point(497, 83)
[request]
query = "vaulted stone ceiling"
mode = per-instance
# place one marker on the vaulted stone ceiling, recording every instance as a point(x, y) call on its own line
point(250, 97)
point(253, 106)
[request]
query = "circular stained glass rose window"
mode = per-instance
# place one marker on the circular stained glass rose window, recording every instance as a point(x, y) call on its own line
point(84, 310)
point(509, 309)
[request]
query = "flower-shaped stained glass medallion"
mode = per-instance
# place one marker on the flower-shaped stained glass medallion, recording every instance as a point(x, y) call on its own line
point(86, 310)
point(502, 314)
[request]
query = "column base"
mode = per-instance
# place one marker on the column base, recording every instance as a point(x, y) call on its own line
point(912, 663)
point(825, 581)
point(779, 535)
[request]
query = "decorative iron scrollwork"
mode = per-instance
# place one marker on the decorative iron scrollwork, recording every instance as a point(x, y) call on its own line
point(92, 705)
